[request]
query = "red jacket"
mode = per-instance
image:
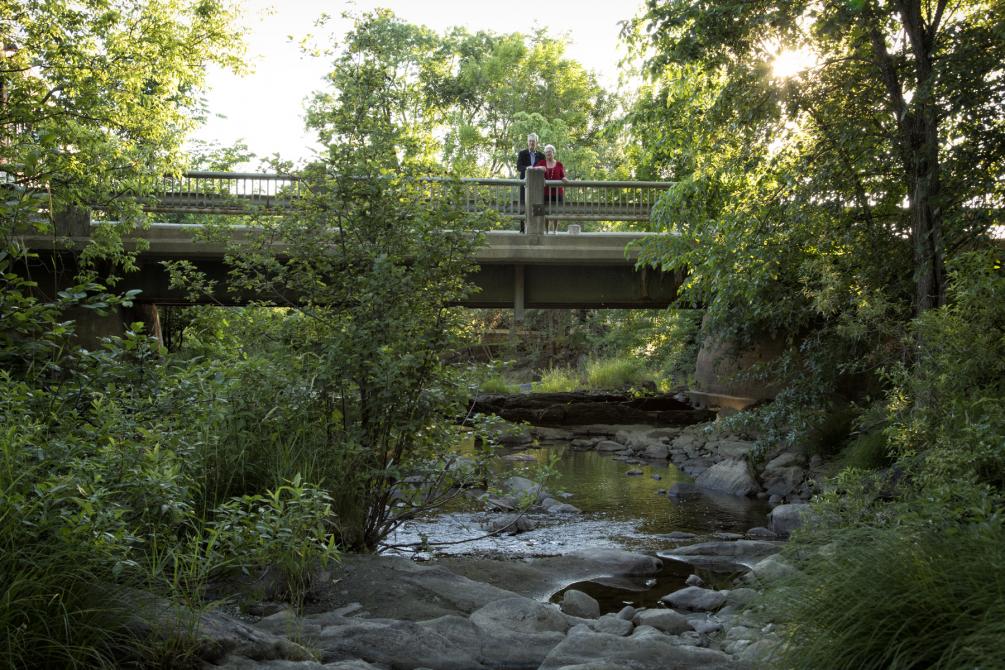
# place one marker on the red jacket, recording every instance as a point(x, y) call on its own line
point(555, 173)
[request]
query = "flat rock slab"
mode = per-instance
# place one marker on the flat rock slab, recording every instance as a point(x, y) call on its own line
point(582, 650)
point(395, 587)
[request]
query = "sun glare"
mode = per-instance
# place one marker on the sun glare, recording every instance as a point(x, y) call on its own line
point(790, 62)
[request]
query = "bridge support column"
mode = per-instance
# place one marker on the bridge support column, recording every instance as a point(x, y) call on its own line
point(518, 294)
point(535, 201)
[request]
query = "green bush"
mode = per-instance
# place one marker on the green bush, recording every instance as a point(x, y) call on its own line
point(287, 529)
point(897, 597)
point(617, 373)
point(558, 380)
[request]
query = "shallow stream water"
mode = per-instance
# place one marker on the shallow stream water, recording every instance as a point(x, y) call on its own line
point(618, 511)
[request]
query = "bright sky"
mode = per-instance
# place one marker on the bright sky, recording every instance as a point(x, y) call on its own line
point(264, 108)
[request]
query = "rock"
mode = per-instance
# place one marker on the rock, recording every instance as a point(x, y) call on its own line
point(694, 580)
point(612, 624)
point(741, 597)
point(564, 508)
point(522, 457)
point(735, 556)
point(680, 536)
point(578, 604)
point(705, 627)
point(390, 586)
point(635, 473)
point(695, 598)
point(688, 440)
point(448, 643)
point(608, 445)
point(784, 460)
point(730, 476)
point(244, 663)
point(727, 537)
point(663, 433)
point(657, 452)
point(500, 503)
point(786, 518)
point(761, 533)
point(769, 569)
point(514, 435)
point(552, 434)
point(583, 651)
point(664, 620)
point(216, 635)
point(734, 449)
point(682, 490)
point(627, 613)
point(512, 524)
point(620, 562)
point(775, 500)
point(521, 615)
point(523, 487)
point(583, 444)
point(784, 481)
point(760, 653)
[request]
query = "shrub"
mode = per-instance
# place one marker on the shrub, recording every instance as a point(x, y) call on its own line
point(288, 529)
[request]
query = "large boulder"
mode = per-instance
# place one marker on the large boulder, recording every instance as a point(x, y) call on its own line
point(578, 604)
point(695, 599)
point(730, 476)
point(783, 481)
point(735, 449)
point(786, 518)
point(521, 615)
point(665, 620)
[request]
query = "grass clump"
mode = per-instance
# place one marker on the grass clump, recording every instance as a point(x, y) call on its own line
point(498, 384)
point(617, 373)
point(558, 380)
point(898, 598)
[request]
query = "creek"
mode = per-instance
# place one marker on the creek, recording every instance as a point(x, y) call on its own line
point(618, 510)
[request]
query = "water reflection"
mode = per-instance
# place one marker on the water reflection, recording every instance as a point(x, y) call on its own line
point(599, 485)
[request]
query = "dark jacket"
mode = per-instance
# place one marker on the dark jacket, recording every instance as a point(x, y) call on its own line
point(523, 161)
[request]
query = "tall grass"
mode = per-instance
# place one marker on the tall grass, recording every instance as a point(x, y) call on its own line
point(898, 598)
point(617, 373)
point(559, 380)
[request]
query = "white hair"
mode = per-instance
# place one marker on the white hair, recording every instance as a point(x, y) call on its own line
point(549, 147)
point(532, 136)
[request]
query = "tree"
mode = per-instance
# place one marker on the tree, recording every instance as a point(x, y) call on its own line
point(368, 264)
point(98, 95)
point(904, 104)
point(465, 97)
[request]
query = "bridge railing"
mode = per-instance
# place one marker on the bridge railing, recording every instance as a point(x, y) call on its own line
point(243, 193)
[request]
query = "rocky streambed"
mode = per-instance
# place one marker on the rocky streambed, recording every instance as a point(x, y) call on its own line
point(568, 583)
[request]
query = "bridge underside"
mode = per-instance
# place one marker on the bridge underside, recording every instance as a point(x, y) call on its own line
point(499, 284)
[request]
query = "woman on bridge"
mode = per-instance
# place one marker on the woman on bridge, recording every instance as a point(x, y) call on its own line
point(553, 171)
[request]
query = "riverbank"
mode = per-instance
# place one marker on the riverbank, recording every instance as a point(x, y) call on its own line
point(560, 590)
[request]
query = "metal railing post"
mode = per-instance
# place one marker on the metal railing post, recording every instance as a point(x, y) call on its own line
point(535, 201)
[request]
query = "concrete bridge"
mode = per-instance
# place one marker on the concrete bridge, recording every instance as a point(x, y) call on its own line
point(530, 269)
